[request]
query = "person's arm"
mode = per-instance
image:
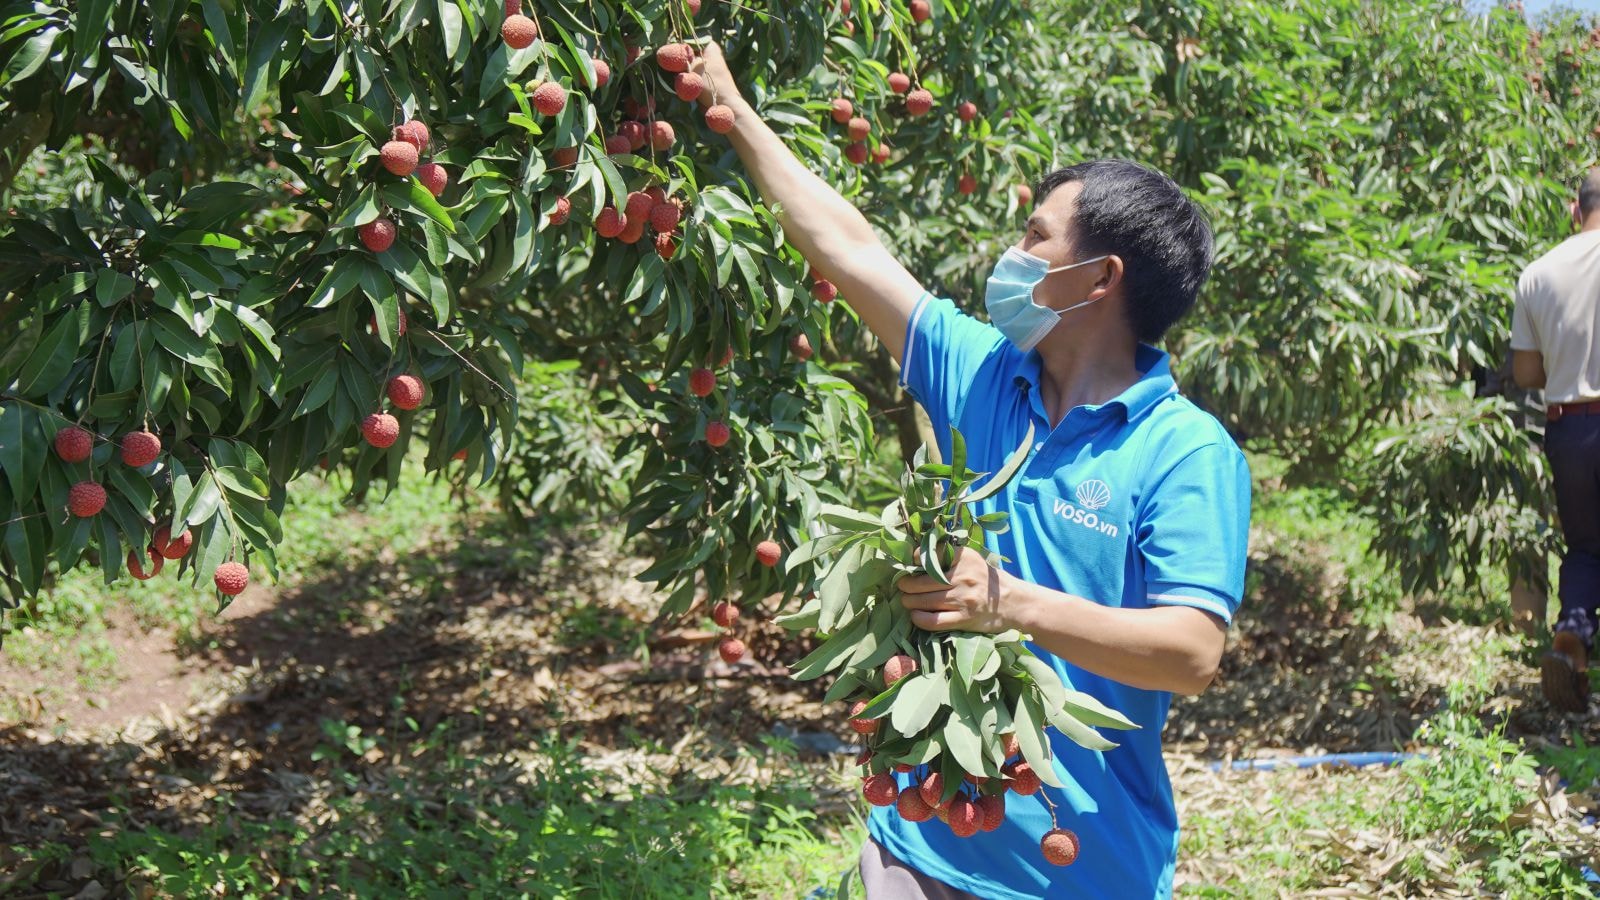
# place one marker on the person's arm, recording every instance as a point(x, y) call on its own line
point(1162, 648)
point(1527, 369)
point(831, 233)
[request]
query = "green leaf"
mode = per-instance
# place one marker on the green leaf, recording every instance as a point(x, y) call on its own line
point(1029, 724)
point(922, 696)
point(1088, 709)
point(847, 519)
point(817, 547)
point(1001, 478)
point(340, 279)
point(201, 504)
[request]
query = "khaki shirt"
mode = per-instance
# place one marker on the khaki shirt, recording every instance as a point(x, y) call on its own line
point(1557, 313)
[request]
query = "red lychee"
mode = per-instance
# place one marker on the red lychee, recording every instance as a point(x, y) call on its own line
point(921, 11)
point(880, 154)
point(731, 649)
point(675, 57)
point(856, 153)
point(932, 789)
point(631, 52)
point(231, 578)
point(768, 553)
point(372, 324)
point(824, 291)
point(719, 118)
point(688, 85)
point(1024, 194)
point(800, 346)
point(140, 448)
point(550, 98)
point(880, 789)
point(664, 217)
point(459, 454)
point(377, 235)
point(564, 157)
point(519, 32)
point(993, 809)
point(171, 547)
point(727, 357)
point(636, 133)
point(85, 499)
point(638, 206)
point(1021, 778)
point(859, 128)
point(1059, 846)
point(602, 72)
point(136, 566)
point(702, 382)
point(609, 223)
point(633, 232)
point(74, 444)
point(661, 136)
point(399, 157)
point(904, 768)
point(618, 144)
point(694, 7)
point(842, 110)
point(414, 133)
point(725, 613)
point(1009, 745)
point(919, 102)
point(433, 177)
point(858, 724)
point(899, 82)
point(912, 807)
point(964, 817)
point(966, 184)
point(405, 391)
point(563, 210)
point(967, 111)
point(898, 667)
point(717, 433)
point(666, 247)
point(380, 429)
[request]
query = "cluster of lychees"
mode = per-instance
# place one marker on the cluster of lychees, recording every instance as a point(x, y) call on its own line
point(85, 499)
point(401, 156)
point(974, 803)
point(725, 613)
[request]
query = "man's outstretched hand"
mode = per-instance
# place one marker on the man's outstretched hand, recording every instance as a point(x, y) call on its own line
point(710, 65)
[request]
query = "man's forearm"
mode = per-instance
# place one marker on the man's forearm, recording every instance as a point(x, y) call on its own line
point(1164, 648)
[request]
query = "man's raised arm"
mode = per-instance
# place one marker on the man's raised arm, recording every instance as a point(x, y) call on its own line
point(831, 233)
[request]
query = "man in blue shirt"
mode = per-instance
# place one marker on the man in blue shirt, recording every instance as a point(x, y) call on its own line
point(1129, 521)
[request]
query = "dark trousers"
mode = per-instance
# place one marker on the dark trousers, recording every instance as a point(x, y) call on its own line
point(1572, 444)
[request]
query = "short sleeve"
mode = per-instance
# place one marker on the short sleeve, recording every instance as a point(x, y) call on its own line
point(945, 348)
point(1524, 333)
point(1194, 531)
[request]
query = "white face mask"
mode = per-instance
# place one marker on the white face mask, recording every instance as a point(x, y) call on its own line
point(1009, 297)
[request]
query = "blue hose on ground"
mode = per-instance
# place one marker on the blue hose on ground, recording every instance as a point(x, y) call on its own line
point(1332, 760)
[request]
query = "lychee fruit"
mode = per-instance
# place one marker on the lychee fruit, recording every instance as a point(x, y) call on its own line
point(171, 547)
point(731, 649)
point(74, 444)
point(609, 223)
point(459, 454)
point(380, 429)
point(563, 210)
point(136, 566)
point(675, 57)
point(631, 52)
point(661, 136)
point(1024, 194)
point(664, 217)
point(550, 98)
point(377, 235)
point(666, 247)
point(727, 357)
point(618, 144)
point(932, 789)
point(858, 724)
point(414, 133)
point(966, 184)
point(372, 324)
point(231, 578)
point(921, 11)
point(904, 768)
point(694, 7)
point(842, 110)
point(1021, 778)
point(899, 82)
point(1009, 745)
point(433, 177)
point(898, 667)
point(399, 157)
point(717, 433)
point(800, 346)
point(912, 807)
point(602, 72)
point(992, 807)
point(636, 133)
point(702, 382)
point(688, 86)
point(719, 118)
point(919, 102)
point(564, 157)
point(633, 232)
point(768, 553)
point(967, 111)
point(519, 32)
point(405, 391)
point(856, 153)
point(140, 448)
point(859, 128)
point(1059, 846)
point(964, 817)
point(725, 613)
point(85, 499)
point(880, 789)
point(880, 154)
point(824, 291)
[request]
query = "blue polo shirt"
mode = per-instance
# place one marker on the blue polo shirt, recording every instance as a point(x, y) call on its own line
point(1142, 501)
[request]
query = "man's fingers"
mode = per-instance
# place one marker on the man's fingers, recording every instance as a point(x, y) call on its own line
point(920, 584)
point(932, 601)
point(929, 620)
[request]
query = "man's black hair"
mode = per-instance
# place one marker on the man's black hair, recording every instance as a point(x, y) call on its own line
point(1142, 216)
point(1589, 194)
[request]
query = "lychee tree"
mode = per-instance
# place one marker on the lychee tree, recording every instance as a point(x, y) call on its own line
point(318, 235)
